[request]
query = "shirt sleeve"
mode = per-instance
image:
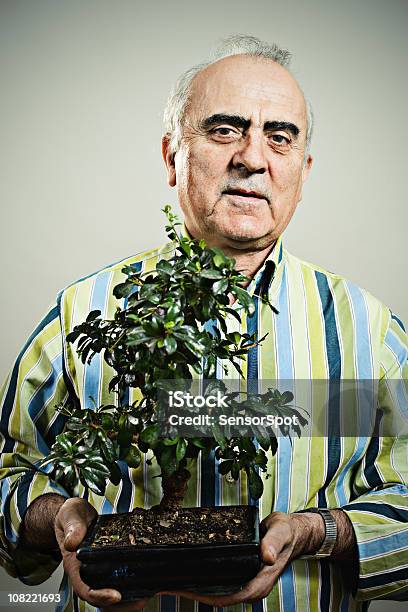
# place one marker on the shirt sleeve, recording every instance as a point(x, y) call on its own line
point(29, 423)
point(379, 512)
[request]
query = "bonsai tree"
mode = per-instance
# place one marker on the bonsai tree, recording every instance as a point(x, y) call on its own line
point(162, 334)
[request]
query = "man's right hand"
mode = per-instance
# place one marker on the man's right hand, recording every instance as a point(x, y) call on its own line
point(71, 524)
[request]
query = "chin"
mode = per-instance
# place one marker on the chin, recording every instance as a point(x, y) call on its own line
point(243, 232)
point(247, 240)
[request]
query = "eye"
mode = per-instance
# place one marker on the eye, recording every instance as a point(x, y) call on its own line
point(225, 133)
point(280, 139)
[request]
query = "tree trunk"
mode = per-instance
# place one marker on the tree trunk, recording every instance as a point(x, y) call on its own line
point(174, 489)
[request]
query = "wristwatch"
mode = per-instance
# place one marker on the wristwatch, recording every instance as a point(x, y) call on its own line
point(330, 537)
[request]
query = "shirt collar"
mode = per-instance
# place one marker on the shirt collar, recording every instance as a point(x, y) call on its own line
point(267, 281)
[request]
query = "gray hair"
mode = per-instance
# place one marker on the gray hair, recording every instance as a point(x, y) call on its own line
point(238, 44)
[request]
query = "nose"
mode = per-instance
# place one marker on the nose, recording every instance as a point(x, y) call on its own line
point(251, 153)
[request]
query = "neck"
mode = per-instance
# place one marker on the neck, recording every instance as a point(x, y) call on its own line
point(248, 261)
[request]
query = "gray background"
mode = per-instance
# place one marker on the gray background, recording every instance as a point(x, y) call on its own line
point(83, 84)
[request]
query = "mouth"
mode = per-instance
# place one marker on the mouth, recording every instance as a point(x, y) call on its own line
point(244, 196)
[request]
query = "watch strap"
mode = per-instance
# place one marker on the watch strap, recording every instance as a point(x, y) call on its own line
point(330, 537)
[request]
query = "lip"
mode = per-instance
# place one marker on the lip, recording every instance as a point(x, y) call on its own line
point(242, 196)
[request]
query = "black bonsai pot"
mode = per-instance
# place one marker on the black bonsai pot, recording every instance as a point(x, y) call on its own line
point(206, 550)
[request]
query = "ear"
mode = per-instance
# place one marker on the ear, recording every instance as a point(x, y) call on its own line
point(307, 167)
point(168, 158)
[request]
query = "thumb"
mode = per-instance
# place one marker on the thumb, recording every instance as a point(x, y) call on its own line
point(72, 522)
point(269, 554)
point(74, 532)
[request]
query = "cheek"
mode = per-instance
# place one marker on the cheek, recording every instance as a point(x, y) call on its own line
point(287, 178)
point(203, 178)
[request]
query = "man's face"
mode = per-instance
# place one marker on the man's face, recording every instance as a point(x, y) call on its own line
point(240, 167)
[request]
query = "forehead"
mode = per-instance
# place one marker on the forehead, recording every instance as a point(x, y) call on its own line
point(255, 88)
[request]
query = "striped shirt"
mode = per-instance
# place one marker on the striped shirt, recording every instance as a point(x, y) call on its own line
point(320, 326)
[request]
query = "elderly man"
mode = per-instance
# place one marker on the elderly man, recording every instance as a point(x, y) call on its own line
point(236, 147)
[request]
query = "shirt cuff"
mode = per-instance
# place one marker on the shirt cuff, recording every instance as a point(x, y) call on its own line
point(30, 567)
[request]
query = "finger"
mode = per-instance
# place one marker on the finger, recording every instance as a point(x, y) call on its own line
point(276, 537)
point(74, 532)
point(96, 597)
point(73, 519)
point(101, 597)
point(270, 548)
point(260, 586)
point(267, 522)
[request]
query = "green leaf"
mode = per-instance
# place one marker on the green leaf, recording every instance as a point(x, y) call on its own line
point(124, 439)
point(255, 483)
point(170, 441)
point(109, 448)
point(137, 338)
point(274, 444)
point(94, 314)
point(219, 436)
point(74, 335)
point(115, 475)
point(95, 480)
point(235, 470)
point(219, 257)
point(238, 368)
point(170, 344)
point(218, 260)
point(164, 266)
point(286, 398)
point(262, 436)
point(65, 443)
point(212, 274)
point(261, 459)
point(122, 290)
point(132, 458)
point(263, 441)
point(150, 435)
point(168, 461)
point(172, 312)
point(249, 447)
point(181, 449)
point(198, 442)
point(225, 466)
point(244, 299)
point(186, 246)
point(220, 286)
point(234, 337)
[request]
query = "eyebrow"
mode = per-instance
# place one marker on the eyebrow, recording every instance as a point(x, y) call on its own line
point(242, 123)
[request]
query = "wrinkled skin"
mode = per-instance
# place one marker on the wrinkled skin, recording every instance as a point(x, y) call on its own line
point(264, 163)
point(71, 524)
